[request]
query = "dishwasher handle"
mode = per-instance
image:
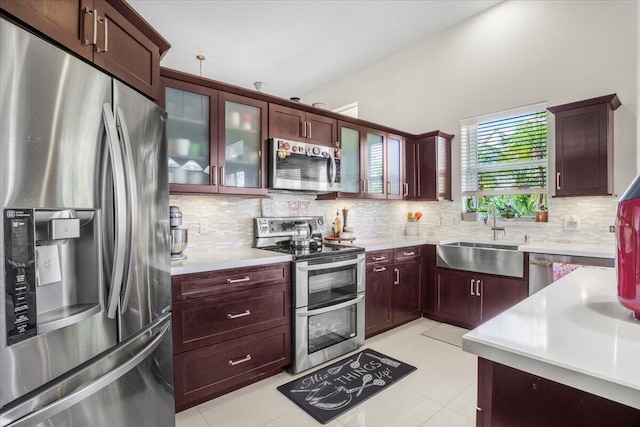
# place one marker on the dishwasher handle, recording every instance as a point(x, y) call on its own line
point(540, 263)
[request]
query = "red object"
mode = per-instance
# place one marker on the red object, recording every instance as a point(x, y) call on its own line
point(628, 237)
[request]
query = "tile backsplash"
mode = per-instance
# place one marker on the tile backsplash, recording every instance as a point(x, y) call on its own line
point(225, 221)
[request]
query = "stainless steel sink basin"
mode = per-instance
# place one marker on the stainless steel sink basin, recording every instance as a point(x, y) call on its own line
point(491, 258)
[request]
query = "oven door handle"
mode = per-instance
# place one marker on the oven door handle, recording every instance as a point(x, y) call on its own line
point(331, 307)
point(329, 265)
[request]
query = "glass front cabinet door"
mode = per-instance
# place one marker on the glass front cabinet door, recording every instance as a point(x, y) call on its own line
point(375, 181)
point(348, 155)
point(395, 178)
point(190, 127)
point(242, 145)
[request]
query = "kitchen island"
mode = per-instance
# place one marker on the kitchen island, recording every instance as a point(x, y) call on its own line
point(568, 355)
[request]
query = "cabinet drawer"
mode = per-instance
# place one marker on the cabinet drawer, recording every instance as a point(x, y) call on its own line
point(382, 256)
point(204, 321)
point(407, 254)
point(223, 281)
point(217, 369)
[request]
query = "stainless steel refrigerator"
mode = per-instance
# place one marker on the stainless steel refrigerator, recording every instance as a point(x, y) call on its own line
point(85, 335)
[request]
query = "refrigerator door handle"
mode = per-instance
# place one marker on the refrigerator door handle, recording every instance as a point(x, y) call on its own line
point(120, 211)
point(93, 387)
point(132, 200)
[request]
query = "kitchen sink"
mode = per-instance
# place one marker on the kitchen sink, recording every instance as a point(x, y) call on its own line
point(490, 258)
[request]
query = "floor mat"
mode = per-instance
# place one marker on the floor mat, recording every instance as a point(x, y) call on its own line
point(446, 333)
point(331, 391)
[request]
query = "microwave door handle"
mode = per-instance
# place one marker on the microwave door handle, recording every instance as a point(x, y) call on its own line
point(330, 308)
point(329, 265)
point(333, 169)
point(120, 211)
point(132, 200)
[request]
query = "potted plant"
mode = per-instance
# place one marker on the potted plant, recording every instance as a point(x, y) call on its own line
point(471, 213)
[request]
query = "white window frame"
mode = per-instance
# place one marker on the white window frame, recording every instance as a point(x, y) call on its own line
point(468, 154)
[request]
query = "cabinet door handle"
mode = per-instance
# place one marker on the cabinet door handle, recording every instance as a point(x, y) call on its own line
point(244, 279)
point(366, 187)
point(104, 20)
point(235, 316)
point(558, 181)
point(303, 129)
point(214, 175)
point(379, 269)
point(408, 253)
point(397, 282)
point(239, 361)
point(388, 187)
point(473, 282)
point(379, 258)
point(89, 11)
point(222, 177)
point(406, 189)
point(478, 284)
point(309, 133)
point(362, 185)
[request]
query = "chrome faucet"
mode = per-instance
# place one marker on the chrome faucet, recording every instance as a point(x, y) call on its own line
point(495, 227)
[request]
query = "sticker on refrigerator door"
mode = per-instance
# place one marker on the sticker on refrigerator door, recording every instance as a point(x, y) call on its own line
point(20, 283)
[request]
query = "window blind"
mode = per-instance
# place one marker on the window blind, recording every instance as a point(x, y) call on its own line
point(505, 153)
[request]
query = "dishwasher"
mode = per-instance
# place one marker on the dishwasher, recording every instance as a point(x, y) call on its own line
point(545, 269)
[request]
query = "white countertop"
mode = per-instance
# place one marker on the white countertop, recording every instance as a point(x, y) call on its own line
point(220, 259)
point(573, 332)
point(576, 249)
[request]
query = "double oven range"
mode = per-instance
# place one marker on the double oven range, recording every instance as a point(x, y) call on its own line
point(328, 288)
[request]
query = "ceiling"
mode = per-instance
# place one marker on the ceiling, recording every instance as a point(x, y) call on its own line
point(293, 46)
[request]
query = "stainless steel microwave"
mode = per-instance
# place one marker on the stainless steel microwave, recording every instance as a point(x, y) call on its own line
point(302, 166)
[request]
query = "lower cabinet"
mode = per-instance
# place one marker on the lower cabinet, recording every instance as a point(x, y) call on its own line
point(230, 328)
point(394, 288)
point(468, 299)
point(510, 397)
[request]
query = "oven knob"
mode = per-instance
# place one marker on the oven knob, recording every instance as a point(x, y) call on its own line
point(286, 145)
point(325, 154)
point(316, 150)
point(264, 228)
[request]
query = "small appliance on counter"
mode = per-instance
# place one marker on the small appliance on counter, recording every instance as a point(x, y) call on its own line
point(179, 234)
point(628, 238)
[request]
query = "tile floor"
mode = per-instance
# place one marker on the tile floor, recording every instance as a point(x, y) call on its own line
point(442, 392)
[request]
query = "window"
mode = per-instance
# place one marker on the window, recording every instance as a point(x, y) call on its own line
point(504, 161)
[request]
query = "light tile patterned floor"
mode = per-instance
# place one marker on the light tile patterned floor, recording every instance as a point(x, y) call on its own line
point(442, 392)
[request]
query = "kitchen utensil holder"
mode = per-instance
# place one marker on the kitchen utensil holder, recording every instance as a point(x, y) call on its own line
point(411, 228)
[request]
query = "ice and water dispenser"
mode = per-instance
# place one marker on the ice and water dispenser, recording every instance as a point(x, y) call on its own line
point(53, 269)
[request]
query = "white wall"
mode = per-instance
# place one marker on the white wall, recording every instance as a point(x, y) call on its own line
point(514, 54)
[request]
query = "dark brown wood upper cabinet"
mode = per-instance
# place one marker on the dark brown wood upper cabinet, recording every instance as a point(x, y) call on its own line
point(428, 167)
point(108, 33)
point(302, 126)
point(216, 139)
point(584, 146)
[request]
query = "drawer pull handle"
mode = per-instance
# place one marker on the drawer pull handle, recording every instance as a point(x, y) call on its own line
point(409, 253)
point(235, 316)
point(397, 282)
point(239, 361)
point(379, 269)
point(244, 279)
point(379, 258)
